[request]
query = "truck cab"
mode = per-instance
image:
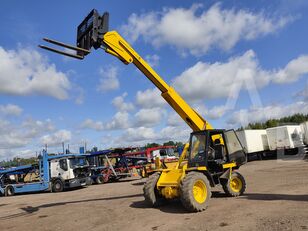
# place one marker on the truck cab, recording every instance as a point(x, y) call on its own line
point(164, 153)
point(69, 172)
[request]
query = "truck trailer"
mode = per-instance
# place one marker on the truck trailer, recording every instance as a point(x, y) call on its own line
point(288, 138)
point(304, 128)
point(254, 142)
point(114, 164)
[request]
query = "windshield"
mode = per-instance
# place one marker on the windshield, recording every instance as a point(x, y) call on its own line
point(78, 162)
point(170, 152)
point(197, 147)
point(232, 142)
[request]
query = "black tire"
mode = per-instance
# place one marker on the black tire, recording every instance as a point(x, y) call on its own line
point(230, 190)
point(90, 182)
point(57, 186)
point(99, 180)
point(9, 191)
point(150, 193)
point(187, 192)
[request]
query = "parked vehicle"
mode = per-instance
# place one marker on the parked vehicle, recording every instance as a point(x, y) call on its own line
point(112, 165)
point(254, 142)
point(53, 173)
point(304, 128)
point(165, 155)
point(288, 138)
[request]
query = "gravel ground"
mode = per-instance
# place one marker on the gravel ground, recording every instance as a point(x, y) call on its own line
point(276, 199)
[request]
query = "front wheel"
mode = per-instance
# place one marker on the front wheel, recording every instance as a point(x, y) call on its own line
point(150, 192)
point(57, 185)
point(195, 192)
point(235, 186)
point(99, 180)
point(9, 191)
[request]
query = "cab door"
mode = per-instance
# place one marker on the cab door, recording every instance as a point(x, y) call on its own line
point(234, 148)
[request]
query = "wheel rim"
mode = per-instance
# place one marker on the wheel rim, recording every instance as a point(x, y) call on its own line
point(10, 191)
point(200, 191)
point(236, 184)
point(58, 186)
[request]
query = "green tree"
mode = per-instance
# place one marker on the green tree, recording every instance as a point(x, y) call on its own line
point(152, 145)
point(293, 119)
point(169, 143)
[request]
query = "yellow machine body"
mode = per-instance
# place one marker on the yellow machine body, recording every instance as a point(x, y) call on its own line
point(170, 179)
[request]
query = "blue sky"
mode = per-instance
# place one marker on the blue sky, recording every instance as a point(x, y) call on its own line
point(235, 62)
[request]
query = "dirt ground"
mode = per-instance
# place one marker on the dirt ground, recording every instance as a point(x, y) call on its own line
point(276, 199)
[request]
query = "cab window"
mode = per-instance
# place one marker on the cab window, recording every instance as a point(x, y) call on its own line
point(232, 142)
point(63, 164)
point(197, 148)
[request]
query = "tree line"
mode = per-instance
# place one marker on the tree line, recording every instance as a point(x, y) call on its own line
point(16, 161)
point(287, 120)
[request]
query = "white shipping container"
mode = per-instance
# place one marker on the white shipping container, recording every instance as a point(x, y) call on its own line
point(304, 128)
point(284, 137)
point(253, 140)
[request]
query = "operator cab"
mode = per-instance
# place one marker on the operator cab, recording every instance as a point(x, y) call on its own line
point(212, 148)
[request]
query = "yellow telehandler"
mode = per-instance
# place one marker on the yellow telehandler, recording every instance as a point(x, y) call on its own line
point(211, 156)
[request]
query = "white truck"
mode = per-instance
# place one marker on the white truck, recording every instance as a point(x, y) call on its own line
point(166, 154)
point(304, 128)
point(288, 137)
point(53, 173)
point(69, 171)
point(254, 142)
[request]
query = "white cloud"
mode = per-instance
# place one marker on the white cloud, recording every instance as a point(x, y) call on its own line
point(197, 30)
point(120, 104)
point(33, 128)
point(109, 79)
point(80, 95)
point(220, 80)
point(119, 121)
point(14, 135)
point(11, 137)
point(175, 133)
point(153, 60)
point(174, 120)
point(56, 138)
point(149, 116)
point(150, 98)
point(303, 93)
point(26, 72)
point(292, 71)
point(261, 114)
point(10, 110)
point(137, 135)
point(90, 124)
point(143, 135)
point(217, 111)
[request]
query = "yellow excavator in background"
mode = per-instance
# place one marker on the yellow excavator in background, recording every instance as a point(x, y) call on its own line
point(212, 155)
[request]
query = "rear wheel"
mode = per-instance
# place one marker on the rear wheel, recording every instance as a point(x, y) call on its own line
point(195, 192)
point(99, 180)
point(9, 190)
point(150, 192)
point(57, 185)
point(235, 186)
